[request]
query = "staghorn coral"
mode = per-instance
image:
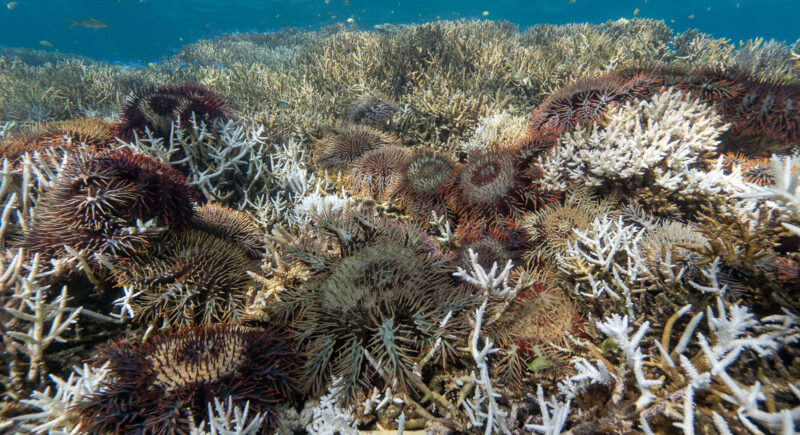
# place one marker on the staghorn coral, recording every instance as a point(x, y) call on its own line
point(374, 303)
point(97, 198)
point(763, 114)
point(157, 109)
point(227, 164)
point(449, 81)
point(346, 144)
point(188, 278)
point(164, 384)
point(649, 151)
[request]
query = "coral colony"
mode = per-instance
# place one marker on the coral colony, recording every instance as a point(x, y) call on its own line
point(454, 227)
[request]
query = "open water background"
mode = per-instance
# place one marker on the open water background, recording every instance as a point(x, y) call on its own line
point(147, 30)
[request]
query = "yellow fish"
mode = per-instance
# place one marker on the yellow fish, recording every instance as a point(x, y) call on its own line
point(11, 5)
point(46, 43)
point(91, 23)
point(485, 13)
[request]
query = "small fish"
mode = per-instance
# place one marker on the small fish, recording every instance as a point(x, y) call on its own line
point(351, 20)
point(691, 16)
point(283, 105)
point(11, 5)
point(151, 64)
point(518, 76)
point(46, 43)
point(572, 2)
point(91, 23)
point(485, 13)
point(636, 12)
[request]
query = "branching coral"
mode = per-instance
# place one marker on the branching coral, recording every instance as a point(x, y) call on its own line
point(652, 150)
point(227, 163)
point(371, 294)
point(760, 110)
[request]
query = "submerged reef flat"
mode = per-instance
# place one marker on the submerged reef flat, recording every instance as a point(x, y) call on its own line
point(453, 227)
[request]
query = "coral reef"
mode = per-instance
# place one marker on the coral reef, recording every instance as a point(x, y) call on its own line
point(450, 227)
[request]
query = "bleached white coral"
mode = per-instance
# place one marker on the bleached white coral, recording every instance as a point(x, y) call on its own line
point(662, 139)
point(492, 282)
point(616, 328)
point(55, 415)
point(46, 321)
point(785, 193)
point(483, 409)
point(497, 129)
point(295, 191)
point(225, 418)
point(316, 203)
point(607, 258)
point(329, 418)
point(230, 157)
point(551, 424)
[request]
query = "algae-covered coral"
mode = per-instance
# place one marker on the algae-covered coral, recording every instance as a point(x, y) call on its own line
point(342, 230)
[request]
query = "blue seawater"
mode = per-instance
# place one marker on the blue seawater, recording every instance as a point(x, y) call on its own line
point(147, 30)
